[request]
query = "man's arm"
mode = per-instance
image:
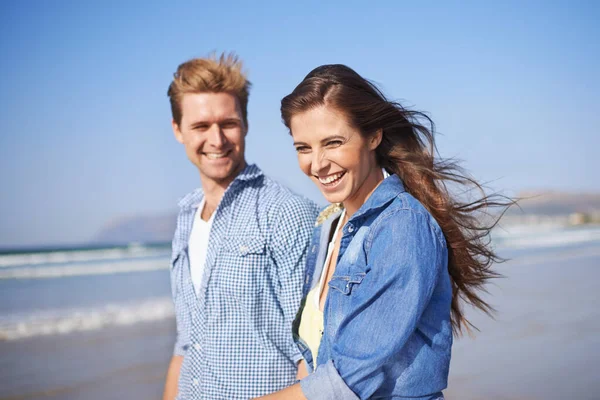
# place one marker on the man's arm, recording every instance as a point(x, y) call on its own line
point(172, 378)
point(289, 243)
point(181, 322)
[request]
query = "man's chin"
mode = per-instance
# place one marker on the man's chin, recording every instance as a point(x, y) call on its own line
point(219, 175)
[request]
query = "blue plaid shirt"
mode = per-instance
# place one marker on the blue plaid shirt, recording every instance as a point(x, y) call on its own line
point(235, 335)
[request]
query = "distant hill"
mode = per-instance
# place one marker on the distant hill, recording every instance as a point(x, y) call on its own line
point(143, 229)
point(556, 203)
point(160, 228)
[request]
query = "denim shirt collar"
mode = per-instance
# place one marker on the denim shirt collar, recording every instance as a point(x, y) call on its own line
point(193, 199)
point(387, 191)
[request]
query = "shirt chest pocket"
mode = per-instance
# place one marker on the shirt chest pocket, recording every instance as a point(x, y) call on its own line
point(345, 284)
point(242, 266)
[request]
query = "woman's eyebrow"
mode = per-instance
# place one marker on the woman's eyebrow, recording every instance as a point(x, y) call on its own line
point(332, 137)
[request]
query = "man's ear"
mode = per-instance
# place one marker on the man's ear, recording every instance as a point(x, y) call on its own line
point(177, 131)
point(375, 139)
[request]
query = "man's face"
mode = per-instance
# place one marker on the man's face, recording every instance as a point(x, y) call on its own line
point(213, 133)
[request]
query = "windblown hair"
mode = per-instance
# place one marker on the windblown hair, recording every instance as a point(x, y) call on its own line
point(408, 150)
point(211, 74)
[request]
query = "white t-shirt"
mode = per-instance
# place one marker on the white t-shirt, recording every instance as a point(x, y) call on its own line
point(198, 246)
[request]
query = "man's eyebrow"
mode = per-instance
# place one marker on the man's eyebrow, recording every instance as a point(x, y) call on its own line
point(230, 119)
point(196, 124)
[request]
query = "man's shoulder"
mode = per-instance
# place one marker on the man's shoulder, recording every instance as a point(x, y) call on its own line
point(279, 194)
point(280, 202)
point(191, 199)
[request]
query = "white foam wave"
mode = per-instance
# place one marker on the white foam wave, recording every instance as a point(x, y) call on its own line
point(544, 237)
point(63, 257)
point(74, 320)
point(84, 269)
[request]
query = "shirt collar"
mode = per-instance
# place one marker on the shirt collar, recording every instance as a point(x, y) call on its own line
point(387, 191)
point(193, 199)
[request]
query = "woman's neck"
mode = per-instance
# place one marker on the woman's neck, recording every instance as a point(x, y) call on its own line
point(353, 203)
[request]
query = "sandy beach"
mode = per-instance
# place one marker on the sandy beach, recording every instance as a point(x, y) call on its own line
point(543, 344)
point(126, 363)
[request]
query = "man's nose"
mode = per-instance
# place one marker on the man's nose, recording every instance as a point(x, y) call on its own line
point(215, 136)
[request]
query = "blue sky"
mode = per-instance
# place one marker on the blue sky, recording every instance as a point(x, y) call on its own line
point(85, 134)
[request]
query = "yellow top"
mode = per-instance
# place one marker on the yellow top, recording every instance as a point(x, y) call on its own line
point(311, 320)
point(311, 324)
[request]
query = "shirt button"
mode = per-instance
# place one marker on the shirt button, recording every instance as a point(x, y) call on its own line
point(195, 382)
point(243, 249)
point(350, 228)
point(197, 346)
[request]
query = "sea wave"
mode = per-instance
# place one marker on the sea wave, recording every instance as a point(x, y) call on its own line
point(66, 321)
point(79, 256)
point(84, 269)
point(527, 237)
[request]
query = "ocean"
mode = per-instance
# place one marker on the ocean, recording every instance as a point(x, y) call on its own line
point(87, 323)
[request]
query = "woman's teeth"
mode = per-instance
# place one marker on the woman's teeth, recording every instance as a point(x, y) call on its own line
point(328, 180)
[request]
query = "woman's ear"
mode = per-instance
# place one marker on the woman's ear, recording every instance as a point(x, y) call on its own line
point(375, 139)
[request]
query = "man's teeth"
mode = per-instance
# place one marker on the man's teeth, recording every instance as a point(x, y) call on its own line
point(331, 178)
point(214, 156)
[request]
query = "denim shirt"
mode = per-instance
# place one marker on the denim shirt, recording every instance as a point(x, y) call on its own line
point(387, 331)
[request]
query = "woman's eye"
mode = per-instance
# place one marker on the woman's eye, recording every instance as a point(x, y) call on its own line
point(334, 143)
point(302, 149)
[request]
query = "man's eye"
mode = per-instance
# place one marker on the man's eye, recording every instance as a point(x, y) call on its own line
point(229, 125)
point(201, 127)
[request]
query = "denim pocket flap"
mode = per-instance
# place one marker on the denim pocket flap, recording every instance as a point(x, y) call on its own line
point(345, 284)
point(244, 245)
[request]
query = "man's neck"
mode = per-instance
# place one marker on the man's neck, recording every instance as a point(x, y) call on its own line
point(213, 193)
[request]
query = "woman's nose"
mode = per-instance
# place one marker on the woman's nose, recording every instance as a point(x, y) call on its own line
point(319, 162)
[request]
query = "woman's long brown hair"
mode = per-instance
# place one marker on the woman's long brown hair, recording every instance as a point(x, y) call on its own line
point(408, 150)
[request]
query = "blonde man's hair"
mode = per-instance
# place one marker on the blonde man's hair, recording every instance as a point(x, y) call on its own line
point(213, 75)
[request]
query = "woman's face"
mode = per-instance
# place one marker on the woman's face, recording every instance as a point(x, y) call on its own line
point(338, 159)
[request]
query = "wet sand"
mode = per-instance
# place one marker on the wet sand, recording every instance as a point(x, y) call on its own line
point(126, 363)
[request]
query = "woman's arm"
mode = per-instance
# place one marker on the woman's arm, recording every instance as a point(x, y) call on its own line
point(290, 393)
point(302, 371)
point(382, 309)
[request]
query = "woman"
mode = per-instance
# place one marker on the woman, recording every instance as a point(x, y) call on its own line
point(393, 255)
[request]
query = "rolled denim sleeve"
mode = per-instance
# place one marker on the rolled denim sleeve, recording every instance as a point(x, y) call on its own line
point(405, 255)
point(290, 241)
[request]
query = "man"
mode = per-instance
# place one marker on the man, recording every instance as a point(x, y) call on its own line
point(238, 251)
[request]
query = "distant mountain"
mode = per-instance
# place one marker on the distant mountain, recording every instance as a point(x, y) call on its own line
point(160, 228)
point(556, 203)
point(143, 229)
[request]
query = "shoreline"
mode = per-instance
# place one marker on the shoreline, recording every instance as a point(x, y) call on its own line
point(543, 343)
